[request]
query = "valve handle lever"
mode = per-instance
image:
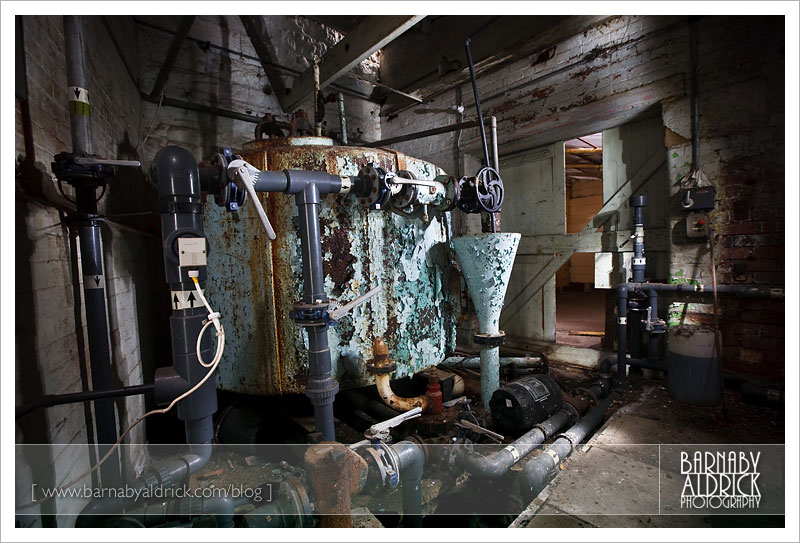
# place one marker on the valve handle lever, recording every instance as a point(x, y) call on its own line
point(89, 161)
point(384, 427)
point(337, 313)
point(242, 173)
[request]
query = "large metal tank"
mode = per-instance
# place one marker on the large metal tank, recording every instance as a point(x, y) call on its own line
point(255, 283)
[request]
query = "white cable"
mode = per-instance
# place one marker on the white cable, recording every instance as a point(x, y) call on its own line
point(213, 319)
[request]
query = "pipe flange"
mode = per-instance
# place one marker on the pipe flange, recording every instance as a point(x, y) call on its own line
point(588, 392)
point(310, 314)
point(387, 464)
point(572, 411)
point(321, 392)
point(380, 364)
point(492, 340)
point(377, 191)
point(374, 368)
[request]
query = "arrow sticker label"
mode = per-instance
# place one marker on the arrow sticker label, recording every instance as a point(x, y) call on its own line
point(78, 94)
point(183, 299)
point(91, 282)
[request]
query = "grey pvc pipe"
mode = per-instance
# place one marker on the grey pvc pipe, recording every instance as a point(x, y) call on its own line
point(342, 118)
point(497, 464)
point(411, 459)
point(495, 153)
point(474, 362)
point(539, 471)
point(77, 77)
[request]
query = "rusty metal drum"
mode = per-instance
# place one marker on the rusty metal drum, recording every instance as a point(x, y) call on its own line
point(255, 283)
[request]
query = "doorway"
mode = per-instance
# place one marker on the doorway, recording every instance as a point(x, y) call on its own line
point(580, 307)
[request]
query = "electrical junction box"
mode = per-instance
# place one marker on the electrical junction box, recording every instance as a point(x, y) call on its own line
point(696, 225)
point(191, 252)
point(698, 199)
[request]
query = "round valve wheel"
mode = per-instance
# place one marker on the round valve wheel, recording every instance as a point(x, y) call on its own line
point(489, 190)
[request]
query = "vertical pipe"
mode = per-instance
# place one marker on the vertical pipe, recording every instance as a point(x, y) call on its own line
point(622, 333)
point(639, 262)
point(653, 351)
point(694, 99)
point(177, 176)
point(490, 373)
point(88, 225)
point(317, 113)
point(495, 153)
point(342, 119)
point(477, 103)
point(322, 387)
point(77, 81)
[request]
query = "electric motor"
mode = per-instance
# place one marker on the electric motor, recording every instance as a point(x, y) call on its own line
point(518, 406)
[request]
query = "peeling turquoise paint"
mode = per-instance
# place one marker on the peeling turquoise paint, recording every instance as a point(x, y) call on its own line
point(486, 261)
point(255, 284)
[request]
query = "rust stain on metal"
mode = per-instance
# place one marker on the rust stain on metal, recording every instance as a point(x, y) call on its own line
point(416, 313)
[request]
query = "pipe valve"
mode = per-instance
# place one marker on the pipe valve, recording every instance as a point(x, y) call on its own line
point(244, 174)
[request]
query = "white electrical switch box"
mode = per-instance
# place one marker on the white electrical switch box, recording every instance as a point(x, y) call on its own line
point(191, 252)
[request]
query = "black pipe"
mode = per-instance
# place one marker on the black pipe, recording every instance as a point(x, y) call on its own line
point(638, 203)
point(423, 134)
point(486, 161)
point(652, 290)
point(202, 108)
point(539, 471)
point(88, 225)
point(694, 97)
point(51, 400)
point(622, 333)
point(204, 45)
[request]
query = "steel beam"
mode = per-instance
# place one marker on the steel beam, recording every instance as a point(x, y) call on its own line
point(184, 26)
point(265, 50)
point(370, 35)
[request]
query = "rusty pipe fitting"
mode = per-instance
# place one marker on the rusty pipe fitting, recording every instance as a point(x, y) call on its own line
point(337, 474)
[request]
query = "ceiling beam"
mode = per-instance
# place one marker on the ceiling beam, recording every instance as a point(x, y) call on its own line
point(172, 55)
point(256, 30)
point(370, 35)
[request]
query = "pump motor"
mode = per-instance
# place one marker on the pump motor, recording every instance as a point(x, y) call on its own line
point(518, 406)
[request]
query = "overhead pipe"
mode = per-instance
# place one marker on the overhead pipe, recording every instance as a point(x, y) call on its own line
point(52, 400)
point(423, 134)
point(88, 224)
point(539, 471)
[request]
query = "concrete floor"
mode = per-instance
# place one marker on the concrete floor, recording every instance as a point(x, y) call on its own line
point(628, 475)
point(580, 312)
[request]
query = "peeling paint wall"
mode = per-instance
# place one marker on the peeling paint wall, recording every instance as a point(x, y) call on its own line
point(256, 283)
point(233, 79)
point(614, 72)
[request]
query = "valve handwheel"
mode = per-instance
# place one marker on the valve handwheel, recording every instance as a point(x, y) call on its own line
point(489, 189)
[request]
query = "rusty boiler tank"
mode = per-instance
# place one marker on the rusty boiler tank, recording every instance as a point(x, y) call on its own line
point(256, 282)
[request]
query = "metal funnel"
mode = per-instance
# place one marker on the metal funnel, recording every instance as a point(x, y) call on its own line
point(486, 261)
